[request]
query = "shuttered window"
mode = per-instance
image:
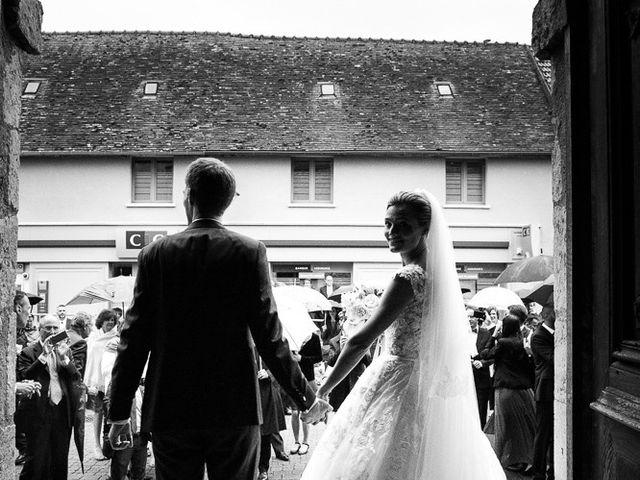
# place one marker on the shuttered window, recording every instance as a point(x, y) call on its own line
point(311, 181)
point(465, 181)
point(152, 181)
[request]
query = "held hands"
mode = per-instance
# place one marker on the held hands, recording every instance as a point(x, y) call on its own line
point(120, 436)
point(262, 374)
point(317, 413)
point(477, 364)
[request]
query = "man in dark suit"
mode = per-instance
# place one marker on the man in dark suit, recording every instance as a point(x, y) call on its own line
point(542, 348)
point(327, 289)
point(201, 399)
point(50, 413)
point(481, 371)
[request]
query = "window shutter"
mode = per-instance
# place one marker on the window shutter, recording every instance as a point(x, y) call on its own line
point(475, 182)
point(323, 181)
point(301, 180)
point(164, 181)
point(142, 178)
point(454, 182)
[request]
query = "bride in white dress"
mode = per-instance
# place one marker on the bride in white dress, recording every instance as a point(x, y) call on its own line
point(413, 414)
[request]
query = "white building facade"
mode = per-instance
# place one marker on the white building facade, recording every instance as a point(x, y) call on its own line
point(87, 205)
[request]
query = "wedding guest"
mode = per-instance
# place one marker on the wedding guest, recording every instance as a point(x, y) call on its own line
point(131, 462)
point(542, 348)
point(484, 341)
point(341, 391)
point(23, 389)
point(272, 418)
point(514, 406)
point(327, 289)
point(78, 332)
point(94, 377)
point(310, 353)
point(49, 414)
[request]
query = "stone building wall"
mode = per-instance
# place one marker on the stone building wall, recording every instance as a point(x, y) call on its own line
point(20, 22)
point(548, 39)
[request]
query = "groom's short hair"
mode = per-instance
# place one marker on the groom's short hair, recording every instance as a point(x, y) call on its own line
point(211, 184)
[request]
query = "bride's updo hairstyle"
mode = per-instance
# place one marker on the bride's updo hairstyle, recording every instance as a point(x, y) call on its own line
point(418, 203)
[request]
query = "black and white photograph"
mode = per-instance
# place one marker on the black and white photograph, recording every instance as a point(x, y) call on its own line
point(297, 240)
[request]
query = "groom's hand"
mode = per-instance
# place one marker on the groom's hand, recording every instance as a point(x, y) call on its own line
point(317, 413)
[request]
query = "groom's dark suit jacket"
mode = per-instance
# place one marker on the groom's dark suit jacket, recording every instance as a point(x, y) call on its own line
point(200, 297)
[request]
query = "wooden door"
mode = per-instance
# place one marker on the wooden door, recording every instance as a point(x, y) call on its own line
point(611, 300)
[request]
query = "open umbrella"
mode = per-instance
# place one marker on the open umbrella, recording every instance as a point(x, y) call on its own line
point(340, 290)
point(528, 270)
point(312, 299)
point(541, 293)
point(296, 322)
point(499, 297)
point(115, 290)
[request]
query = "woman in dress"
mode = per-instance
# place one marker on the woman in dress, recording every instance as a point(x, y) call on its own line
point(413, 413)
point(515, 408)
point(94, 377)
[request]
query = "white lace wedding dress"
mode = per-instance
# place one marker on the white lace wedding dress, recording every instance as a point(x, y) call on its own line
point(378, 432)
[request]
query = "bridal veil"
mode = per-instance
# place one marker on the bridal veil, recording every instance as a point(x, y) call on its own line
point(452, 444)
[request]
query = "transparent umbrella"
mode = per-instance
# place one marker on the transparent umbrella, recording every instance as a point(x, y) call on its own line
point(498, 297)
point(528, 270)
point(312, 299)
point(296, 323)
point(115, 290)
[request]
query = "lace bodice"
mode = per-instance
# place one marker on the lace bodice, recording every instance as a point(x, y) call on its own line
point(402, 338)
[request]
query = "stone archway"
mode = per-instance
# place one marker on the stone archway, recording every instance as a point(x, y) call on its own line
point(20, 22)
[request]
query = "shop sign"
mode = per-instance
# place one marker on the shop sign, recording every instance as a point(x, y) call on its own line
point(321, 268)
point(43, 292)
point(292, 267)
point(130, 242)
point(136, 239)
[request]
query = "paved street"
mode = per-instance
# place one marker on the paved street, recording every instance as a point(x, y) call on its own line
point(279, 470)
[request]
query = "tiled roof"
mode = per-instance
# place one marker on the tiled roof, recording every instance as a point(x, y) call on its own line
point(220, 92)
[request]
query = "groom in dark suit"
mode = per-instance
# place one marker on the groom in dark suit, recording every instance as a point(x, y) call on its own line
point(201, 399)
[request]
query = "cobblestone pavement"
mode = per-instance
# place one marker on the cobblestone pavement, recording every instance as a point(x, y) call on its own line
point(279, 470)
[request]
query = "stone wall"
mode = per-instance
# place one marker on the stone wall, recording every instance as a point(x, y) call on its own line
point(548, 42)
point(19, 31)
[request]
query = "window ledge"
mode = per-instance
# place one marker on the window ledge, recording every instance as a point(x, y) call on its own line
point(471, 206)
point(312, 205)
point(150, 205)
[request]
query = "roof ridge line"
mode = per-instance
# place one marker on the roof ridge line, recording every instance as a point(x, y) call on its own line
point(282, 37)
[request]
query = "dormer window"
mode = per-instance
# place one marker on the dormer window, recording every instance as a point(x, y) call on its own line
point(151, 89)
point(444, 89)
point(31, 87)
point(327, 90)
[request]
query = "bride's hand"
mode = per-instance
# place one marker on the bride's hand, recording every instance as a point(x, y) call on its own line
point(322, 393)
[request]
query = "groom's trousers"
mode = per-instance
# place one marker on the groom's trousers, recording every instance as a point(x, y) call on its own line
point(230, 453)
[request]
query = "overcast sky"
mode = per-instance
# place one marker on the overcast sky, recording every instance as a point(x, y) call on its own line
point(470, 20)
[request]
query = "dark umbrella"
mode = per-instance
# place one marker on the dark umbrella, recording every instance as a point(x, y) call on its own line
point(33, 299)
point(528, 270)
point(541, 293)
point(79, 420)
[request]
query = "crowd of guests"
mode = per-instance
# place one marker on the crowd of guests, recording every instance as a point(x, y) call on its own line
point(57, 379)
point(512, 362)
point(63, 368)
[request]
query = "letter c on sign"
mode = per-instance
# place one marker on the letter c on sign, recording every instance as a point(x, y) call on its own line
point(157, 236)
point(135, 240)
